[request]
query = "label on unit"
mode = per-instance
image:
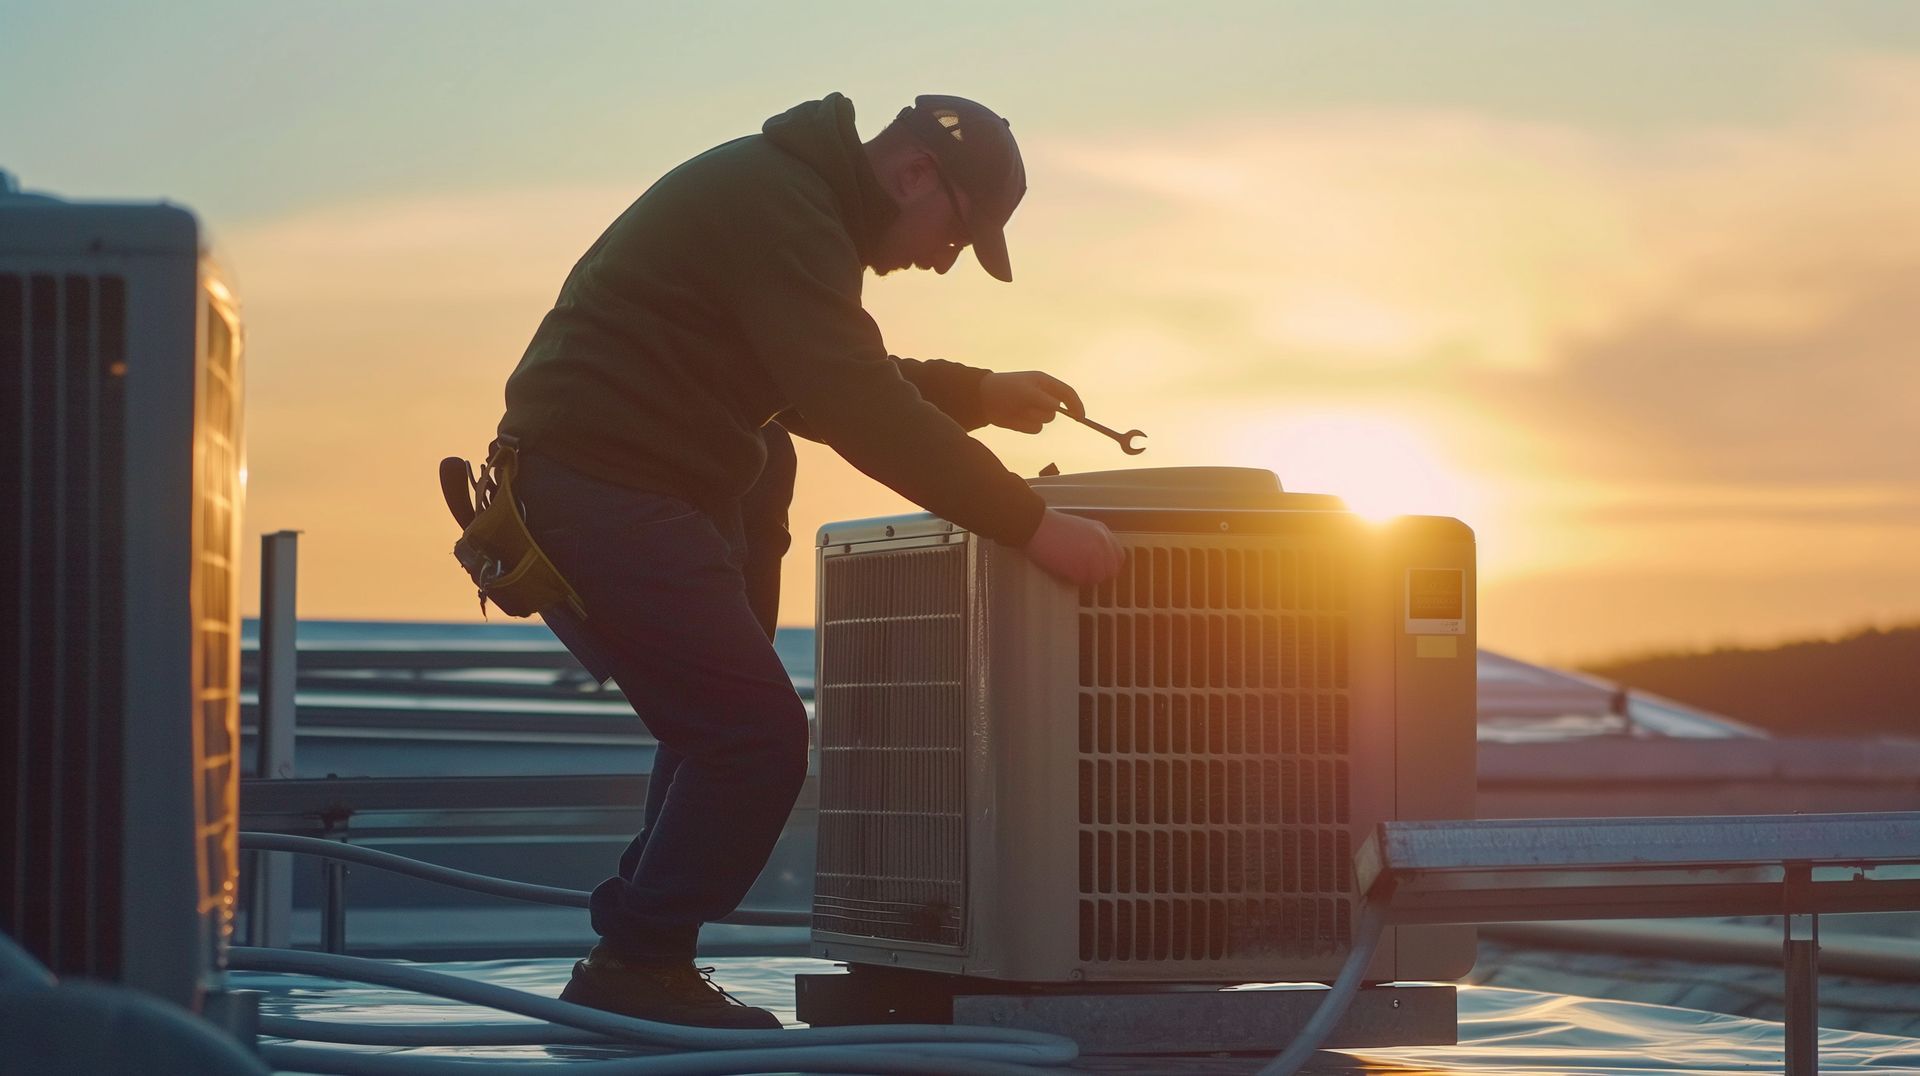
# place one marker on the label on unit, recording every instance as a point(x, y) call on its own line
point(1436, 601)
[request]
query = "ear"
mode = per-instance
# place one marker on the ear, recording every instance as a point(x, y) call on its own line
point(916, 175)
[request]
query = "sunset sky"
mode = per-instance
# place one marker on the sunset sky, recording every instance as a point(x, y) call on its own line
point(1631, 288)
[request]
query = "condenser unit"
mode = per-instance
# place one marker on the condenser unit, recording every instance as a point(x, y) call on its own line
point(120, 351)
point(1161, 778)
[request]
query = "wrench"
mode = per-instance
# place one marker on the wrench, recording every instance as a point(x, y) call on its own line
point(1125, 440)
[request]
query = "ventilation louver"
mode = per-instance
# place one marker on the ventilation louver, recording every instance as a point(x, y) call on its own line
point(893, 810)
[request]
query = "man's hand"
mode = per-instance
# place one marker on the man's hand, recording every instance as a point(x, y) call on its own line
point(1027, 400)
point(1075, 549)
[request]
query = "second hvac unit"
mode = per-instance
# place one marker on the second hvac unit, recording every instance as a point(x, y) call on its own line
point(120, 351)
point(1161, 778)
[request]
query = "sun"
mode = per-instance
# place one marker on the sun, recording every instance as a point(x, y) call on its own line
point(1381, 465)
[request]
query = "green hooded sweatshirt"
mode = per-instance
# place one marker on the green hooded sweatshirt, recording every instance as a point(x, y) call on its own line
point(729, 295)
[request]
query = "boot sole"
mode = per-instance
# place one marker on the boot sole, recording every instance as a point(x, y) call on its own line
point(581, 990)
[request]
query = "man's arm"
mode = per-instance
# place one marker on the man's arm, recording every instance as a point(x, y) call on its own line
point(1024, 400)
point(952, 387)
point(797, 303)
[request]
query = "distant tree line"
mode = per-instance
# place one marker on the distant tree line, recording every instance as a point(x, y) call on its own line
point(1866, 684)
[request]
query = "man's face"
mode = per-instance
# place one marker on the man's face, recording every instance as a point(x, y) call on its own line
point(931, 230)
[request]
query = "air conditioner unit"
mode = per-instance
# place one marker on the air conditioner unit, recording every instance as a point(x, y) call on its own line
point(1161, 778)
point(120, 351)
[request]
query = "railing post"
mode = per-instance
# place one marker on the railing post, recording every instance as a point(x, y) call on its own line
point(333, 907)
point(272, 909)
point(1803, 977)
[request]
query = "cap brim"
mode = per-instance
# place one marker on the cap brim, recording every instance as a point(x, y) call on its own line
point(990, 247)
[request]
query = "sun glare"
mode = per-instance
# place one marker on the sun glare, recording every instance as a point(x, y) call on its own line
point(1381, 466)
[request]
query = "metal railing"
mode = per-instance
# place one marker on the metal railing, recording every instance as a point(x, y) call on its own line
point(318, 816)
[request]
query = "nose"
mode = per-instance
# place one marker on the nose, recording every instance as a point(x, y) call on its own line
point(944, 261)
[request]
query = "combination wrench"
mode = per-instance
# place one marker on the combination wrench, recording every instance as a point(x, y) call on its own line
point(1125, 440)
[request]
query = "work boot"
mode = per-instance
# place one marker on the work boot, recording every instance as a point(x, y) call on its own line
point(672, 992)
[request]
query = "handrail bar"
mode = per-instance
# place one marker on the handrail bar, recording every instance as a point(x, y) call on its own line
point(477, 883)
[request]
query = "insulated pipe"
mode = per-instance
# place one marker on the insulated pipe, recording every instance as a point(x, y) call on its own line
point(1366, 938)
point(413, 868)
point(478, 883)
point(1339, 996)
point(998, 1044)
point(849, 1059)
point(18, 969)
point(515, 1033)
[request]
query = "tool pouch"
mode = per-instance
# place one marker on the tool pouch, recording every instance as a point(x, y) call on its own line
point(495, 547)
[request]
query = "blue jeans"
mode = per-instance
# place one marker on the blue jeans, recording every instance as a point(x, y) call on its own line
point(680, 610)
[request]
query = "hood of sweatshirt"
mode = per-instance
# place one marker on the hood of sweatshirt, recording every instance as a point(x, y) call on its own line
point(821, 134)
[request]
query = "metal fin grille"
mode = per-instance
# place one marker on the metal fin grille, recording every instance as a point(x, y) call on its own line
point(62, 354)
point(216, 647)
point(1213, 768)
point(892, 726)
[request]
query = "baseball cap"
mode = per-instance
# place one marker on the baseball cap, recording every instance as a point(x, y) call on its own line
point(976, 150)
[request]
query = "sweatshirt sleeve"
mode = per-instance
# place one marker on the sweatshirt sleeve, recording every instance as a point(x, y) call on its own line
point(798, 308)
point(950, 386)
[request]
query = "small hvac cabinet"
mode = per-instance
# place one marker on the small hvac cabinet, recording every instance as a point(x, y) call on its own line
point(120, 348)
point(1161, 779)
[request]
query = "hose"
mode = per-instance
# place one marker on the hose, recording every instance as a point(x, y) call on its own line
point(892, 1048)
point(847, 1059)
point(515, 1033)
point(19, 970)
point(872, 1049)
point(1366, 938)
point(478, 883)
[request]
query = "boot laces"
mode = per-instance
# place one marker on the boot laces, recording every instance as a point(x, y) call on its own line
point(706, 976)
point(693, 986)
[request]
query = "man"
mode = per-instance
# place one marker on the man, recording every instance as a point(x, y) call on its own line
point(727, 296)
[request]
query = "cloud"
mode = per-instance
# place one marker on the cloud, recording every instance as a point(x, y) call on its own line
point(1724, 304)
point(1373, 238)
point(1666, 398)
point(1666, 357)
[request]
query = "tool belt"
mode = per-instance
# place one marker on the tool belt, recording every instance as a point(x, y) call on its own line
point(495, 546)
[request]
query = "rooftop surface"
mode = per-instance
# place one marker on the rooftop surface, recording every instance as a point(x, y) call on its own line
point(1504, 1031)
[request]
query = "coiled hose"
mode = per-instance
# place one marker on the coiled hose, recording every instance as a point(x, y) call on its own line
point(894, 1048)
point(883, 1049)
point(901, 1048)
point(727, 1063)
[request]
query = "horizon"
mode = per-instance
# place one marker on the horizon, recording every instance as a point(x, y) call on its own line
point(1618, 285)
point(1578, 663)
